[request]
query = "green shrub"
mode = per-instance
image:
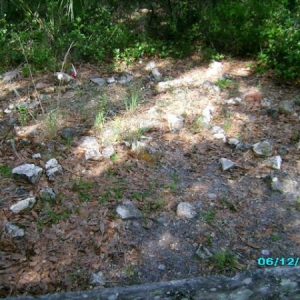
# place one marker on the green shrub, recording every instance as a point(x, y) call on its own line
point(282, 49)
point(235, 26)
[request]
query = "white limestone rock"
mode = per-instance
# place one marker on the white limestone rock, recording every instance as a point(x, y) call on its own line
point(226, 164)
point(186, 210)
point(23, 205)
point(29, 172)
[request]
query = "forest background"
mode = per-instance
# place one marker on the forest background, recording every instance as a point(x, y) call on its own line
point(37, 34)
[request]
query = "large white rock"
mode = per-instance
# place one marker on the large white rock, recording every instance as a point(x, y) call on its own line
point(226, 164)
point(128, 210)
point(186, 210)
point(23, 205)
point(53, 168)
point(29, 172)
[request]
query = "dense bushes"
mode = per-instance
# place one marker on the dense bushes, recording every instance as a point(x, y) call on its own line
point(39, 33)
point(282, 50)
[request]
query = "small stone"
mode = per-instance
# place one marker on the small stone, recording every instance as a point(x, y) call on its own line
point(286, 107)
point(203, 252)
point(22, 192)
point(63, 77)
point(124, 79)
point(207, 115)
point(175, 122)
point(186, 210)
point(265, 252)
point(93, 154)
point(263, 148)
point(44, 97)
point(98, 278)
point(276, 185)
point(275, 162)
point(23, 205)
point(220, 136)
point(234, 101)
point(99, 81)
point(226, 164)
point(7, 111)
point(161, 267)
point(266, 103)
point(128, 210)
point(41, 85)
point(243, 146)
point(37, 155)
point(108, 151)
point(217, 129)
point(111, 80)
point(14, 230)
point(89, 142)
point(150, 66)
point(53, 168)
point(211, 87)
point(69, 133)
point(156, 75)
point(211, 196)
point(232, 141)
point(48, 195)
point(283, 150)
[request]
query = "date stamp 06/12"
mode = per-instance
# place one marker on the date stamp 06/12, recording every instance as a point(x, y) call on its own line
point(278, 261)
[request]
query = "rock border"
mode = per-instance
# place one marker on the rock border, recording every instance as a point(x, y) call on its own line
point(267, 283)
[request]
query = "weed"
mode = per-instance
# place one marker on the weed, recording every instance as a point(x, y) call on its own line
point(56, 217)
point(82, 185)
point(52, 121)
point(217, 57)
point(83, 188)
point(135, 135)
point(173, 186)
point(100, 116)
point(103, 102)
point(224, 83)
point(118, 193)
point(227, 125)
point(197, 125)
point(68, 142)
point(111, 172)
point(154, 206)
point(117, 128)
point(224, 260)
point(139, 196)
point(209, 240)
point(174, 177)
point(103, 199)
point(210, 215)
point(84, 196)
point(228, 204)
point(130, 271)
point(131, 102)
point(275, 237)
point(23, 114)
point(114, 157)
point(5, 171)
point(99, 120)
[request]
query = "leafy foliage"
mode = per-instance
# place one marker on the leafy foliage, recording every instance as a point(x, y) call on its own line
point(40, 33)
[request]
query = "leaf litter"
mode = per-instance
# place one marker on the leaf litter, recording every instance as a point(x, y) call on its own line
point(81, 234)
